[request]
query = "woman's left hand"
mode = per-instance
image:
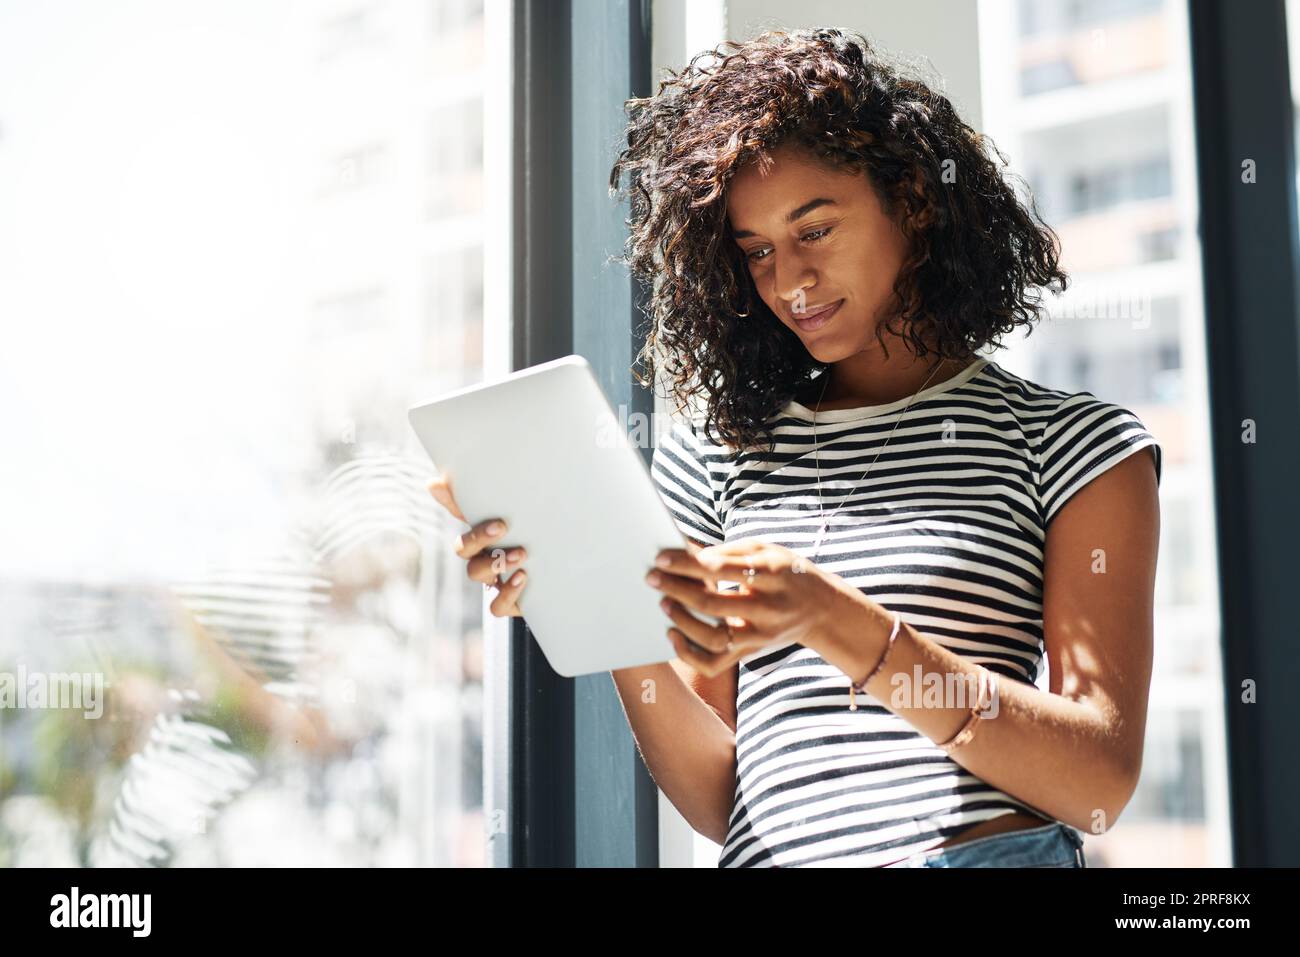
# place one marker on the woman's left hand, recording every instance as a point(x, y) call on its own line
point(789, 599)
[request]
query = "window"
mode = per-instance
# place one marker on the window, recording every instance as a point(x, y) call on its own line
point(1112, 177)
point(222, 519)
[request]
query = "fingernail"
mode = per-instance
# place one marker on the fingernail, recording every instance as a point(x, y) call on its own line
point(495, 528)
point(666, 604)
point(654, 578)
point(663, 561)
point(518, 579)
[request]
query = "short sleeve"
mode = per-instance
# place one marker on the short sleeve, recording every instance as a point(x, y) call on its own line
point(1084, 437)
point(680, 470)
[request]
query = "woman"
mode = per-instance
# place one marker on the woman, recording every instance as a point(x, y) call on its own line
point(910, 527)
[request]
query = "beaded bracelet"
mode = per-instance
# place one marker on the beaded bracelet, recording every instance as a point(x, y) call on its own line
point(862, 685)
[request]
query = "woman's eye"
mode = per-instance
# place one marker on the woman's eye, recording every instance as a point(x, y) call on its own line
point(761, 254)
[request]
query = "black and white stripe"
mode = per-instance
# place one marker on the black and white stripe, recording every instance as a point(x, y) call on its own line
point(948, 529)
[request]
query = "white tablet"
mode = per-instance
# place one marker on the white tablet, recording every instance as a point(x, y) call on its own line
point(543, 450)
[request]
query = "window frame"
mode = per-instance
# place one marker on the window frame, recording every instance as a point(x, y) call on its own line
point(1241, 95)
point(575, 790)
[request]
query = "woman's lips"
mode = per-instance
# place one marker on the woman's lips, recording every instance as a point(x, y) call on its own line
point(815, 320)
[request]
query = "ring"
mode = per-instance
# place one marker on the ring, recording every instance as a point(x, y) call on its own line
point(749, 576)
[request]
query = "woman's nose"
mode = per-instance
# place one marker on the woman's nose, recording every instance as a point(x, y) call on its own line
point(793, 280)
point(796, 300)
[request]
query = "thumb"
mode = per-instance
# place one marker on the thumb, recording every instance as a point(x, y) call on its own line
point(442, 493)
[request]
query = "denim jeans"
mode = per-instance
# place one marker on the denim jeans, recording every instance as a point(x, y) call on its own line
point(1052, 845)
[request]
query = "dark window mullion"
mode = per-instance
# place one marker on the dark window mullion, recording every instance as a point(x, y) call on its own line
point(580, 793)
point(1243, 110)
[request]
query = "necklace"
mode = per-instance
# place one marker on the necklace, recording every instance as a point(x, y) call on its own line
point(824, 518)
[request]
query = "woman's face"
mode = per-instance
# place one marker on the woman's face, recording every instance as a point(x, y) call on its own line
point(817, 236)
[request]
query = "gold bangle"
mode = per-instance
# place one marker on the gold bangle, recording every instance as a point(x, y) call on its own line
point(967, 730)
point(965, 734)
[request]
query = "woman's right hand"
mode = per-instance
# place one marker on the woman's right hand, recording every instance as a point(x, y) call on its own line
point(486, 559)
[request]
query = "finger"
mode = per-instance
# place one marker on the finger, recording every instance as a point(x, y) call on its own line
point(441, 489)
point(479, 537)
point(682, 561)
point(698, 597)
point(708, 664)
point(731, 565)
point(511, 610)
point(491, 563)
point(740, 546)
point(731, 554)
point(711, 665)
point(713, 638)
point(508, 594)
point(685, 564)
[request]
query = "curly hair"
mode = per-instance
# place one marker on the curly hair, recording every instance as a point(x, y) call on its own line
point(976, 255)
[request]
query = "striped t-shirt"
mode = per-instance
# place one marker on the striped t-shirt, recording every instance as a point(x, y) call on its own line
point(948, 530)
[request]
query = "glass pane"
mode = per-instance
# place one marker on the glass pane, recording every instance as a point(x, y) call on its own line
point(237, 242)
point(1091, 103)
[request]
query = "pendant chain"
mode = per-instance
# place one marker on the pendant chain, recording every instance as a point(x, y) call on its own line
point(825, 520)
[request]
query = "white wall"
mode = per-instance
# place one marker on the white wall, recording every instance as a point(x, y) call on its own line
point(940, 38)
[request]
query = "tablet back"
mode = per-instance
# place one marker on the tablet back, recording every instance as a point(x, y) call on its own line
point(543, 450)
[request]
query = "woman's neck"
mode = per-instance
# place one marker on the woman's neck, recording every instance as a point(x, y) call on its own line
point(856, 382)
